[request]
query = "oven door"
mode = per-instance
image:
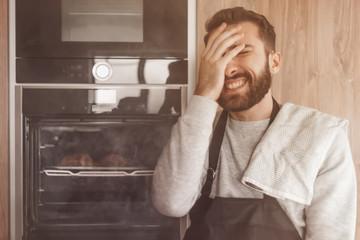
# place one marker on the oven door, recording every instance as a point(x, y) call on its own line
point(98, 28)
point(90, 178)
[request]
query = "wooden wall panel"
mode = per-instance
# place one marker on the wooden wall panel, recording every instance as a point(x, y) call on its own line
point(319, 42)
point(4, 182)
point(355, 130)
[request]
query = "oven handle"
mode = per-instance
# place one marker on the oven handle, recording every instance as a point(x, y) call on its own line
point(66, 173)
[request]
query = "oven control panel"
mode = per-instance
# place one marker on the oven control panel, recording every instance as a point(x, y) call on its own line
point(102, 71)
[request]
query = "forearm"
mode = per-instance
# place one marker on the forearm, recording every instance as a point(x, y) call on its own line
point(178, 176)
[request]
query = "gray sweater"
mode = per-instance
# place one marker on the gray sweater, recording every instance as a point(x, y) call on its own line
point(303, 160)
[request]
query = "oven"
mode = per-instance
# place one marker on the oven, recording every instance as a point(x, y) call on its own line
point(95, 87)
point(86, 151)
point(96, 28)
point(88, 160)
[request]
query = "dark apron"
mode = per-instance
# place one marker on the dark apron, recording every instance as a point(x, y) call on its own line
point(236, 218)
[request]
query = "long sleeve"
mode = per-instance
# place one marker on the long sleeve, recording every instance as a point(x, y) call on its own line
point(332, 213)
point(181, 168)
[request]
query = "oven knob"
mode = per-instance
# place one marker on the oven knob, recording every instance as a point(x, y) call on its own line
point(102, 71)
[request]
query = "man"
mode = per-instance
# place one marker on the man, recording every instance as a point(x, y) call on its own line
point(279, 174)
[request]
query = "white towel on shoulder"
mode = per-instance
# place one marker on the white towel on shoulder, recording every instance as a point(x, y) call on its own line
point(287, 159)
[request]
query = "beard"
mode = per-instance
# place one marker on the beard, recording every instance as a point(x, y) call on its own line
point(259, 86)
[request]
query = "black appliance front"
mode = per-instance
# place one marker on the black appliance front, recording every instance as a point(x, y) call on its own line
point(98, 28)
point(101, 71)
point(88, 163)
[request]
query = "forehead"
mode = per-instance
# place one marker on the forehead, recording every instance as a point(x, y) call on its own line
point(251, 31)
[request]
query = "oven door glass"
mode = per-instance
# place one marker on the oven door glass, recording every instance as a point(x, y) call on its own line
point(93, 176)
point(102, 21)
point(114, 102)
point(98, 28)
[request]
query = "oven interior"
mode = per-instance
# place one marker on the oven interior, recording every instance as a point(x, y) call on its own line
point(92, 176)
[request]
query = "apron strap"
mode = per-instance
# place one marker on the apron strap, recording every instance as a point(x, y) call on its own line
point(215, 146)
point(214, 151)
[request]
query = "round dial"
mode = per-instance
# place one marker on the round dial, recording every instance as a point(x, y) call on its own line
point(102, 71)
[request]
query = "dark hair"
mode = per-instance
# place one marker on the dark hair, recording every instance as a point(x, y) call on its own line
point(239, 14)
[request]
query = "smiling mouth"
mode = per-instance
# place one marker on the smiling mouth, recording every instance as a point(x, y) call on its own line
point(234, 84)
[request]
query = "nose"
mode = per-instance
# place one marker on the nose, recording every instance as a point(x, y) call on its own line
point(231, 69)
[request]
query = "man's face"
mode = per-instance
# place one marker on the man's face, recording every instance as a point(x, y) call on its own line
point(247, 75)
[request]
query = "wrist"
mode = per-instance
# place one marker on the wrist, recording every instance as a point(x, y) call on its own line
point(202, 106)
point(207, 93)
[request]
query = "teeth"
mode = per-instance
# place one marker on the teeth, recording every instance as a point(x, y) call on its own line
point(235, 85)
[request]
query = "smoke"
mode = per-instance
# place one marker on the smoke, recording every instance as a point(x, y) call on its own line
point(123, 201)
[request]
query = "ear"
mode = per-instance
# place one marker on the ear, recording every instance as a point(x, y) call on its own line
point(274, 62)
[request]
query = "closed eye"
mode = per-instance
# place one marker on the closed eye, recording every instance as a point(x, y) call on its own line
point(247, 49)
point(243, 52)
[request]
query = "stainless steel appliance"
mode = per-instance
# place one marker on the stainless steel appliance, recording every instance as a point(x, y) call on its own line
point(95, 87)
point(88, 159)
point(96, 28)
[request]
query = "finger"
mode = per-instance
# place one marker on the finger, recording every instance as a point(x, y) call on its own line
point(215, 34)
point(227, 45)
point(229, 33)
point(232, 53)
